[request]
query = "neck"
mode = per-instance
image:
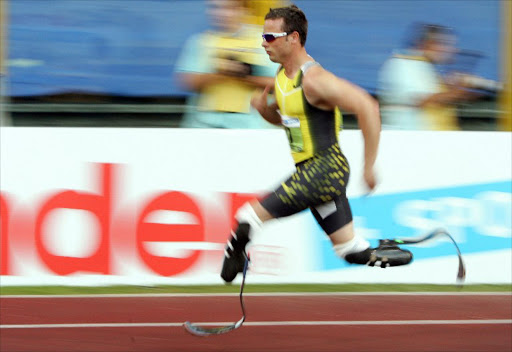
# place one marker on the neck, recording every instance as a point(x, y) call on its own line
point(426, 54)
point(293, 63)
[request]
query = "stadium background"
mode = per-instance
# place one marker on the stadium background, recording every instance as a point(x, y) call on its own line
point(117, 57)
point(83, 210)
point(110, 63)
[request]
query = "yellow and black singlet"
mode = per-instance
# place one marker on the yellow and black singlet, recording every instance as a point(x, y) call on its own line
point(321, 170)
point(309, 129)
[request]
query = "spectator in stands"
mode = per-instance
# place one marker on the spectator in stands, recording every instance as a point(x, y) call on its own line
point(224, 66)
point(412, 94)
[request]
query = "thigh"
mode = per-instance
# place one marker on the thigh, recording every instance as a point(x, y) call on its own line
point(286, 200)
point(316, 181)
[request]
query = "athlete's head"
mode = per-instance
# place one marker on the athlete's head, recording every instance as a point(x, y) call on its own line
point(293, 20)
point(285, 29)
point(437, 42)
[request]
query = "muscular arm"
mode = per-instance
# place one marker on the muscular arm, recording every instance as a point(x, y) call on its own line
point(271, 115)
point(326, 91)
point(268, 112)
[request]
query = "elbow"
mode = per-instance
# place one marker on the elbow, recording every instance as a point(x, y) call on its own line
point(368, 113)
point(374, 106)
point(372, 110)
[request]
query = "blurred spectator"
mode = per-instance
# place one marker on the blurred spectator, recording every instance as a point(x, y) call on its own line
point(412, 93)
point(224, 66)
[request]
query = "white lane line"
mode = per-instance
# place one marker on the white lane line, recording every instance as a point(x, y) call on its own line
point(269, 294)
point(263, 323)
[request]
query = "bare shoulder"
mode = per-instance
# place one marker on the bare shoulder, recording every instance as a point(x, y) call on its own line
point(321, 81)
point(326, 90)
point(316, 78)
point(318, 85)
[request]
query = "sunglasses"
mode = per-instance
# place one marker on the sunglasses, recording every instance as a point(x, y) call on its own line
point(270, 37)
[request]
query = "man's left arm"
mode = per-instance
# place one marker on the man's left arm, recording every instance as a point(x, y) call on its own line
point(326, 91)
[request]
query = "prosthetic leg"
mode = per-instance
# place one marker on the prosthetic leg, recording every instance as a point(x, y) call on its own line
point(386, 254)
point(234, 253)
point(389, 254)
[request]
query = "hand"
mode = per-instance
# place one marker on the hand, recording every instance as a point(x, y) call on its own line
point(369, 178)
point(234, 68)
point(259, 100)
point(462, 80)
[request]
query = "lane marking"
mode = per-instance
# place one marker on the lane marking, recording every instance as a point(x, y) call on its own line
point(264, 323)
point(262, 294)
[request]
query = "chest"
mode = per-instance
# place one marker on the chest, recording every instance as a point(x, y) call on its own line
point(289, 96)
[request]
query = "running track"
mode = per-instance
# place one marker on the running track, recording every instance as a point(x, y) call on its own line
point(275, 322)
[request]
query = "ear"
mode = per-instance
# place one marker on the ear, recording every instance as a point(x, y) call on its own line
point(295, 37)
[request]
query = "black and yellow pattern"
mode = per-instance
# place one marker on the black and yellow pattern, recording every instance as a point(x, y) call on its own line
point(322, 171)
point(318, 180)
point(309, 129)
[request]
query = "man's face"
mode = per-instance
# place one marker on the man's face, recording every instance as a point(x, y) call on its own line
point(225, 14)
point(440, 49)
point(278, 49)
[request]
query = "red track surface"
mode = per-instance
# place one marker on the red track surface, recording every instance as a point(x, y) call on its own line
point(407, 323)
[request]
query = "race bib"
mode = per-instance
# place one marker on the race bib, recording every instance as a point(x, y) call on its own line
point(293, 131)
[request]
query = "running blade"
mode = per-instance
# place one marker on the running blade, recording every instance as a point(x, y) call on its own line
point(198, 330)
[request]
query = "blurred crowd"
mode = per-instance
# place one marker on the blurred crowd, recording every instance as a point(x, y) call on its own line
point(421, 86)
point(225, 65)
point(413, 94)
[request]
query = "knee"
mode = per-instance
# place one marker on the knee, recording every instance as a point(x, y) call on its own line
point(246, 214)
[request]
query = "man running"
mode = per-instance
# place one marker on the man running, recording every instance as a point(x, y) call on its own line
point(308, 100)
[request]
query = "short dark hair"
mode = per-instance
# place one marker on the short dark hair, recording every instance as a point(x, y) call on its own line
point(294, 20)
point(423, 32)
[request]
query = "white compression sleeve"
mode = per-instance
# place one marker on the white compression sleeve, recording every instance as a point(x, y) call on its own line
point(247, 214)
point(355, 245)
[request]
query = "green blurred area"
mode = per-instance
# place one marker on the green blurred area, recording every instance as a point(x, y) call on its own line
point(76, 290)
point(89, 110)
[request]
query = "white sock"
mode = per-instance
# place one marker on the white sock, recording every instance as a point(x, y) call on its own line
point(247, 214)
point(357, 244)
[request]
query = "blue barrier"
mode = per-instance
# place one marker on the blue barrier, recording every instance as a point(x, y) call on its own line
point(477, 216)
point(129, 47)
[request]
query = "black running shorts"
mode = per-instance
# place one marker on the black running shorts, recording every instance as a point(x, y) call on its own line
point(319, 184)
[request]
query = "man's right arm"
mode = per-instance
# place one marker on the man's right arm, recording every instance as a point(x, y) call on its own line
point(268, 112)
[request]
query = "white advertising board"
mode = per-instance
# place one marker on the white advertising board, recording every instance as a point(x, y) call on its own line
point(87, 206)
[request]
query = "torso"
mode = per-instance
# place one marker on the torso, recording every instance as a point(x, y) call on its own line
point(309, 129)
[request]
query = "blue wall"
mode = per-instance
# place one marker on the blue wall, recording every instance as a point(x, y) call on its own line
point(129, 47)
